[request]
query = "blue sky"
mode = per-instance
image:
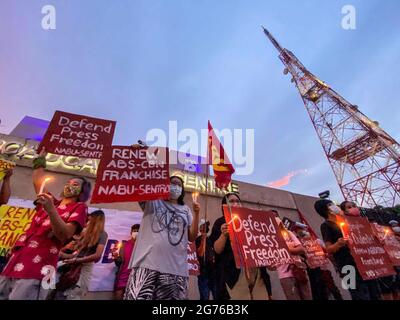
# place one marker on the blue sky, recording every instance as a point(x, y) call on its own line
point(146, 62)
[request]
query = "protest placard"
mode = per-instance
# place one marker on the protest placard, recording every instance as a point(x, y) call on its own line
point(77, 135)
point(389, 241)
point(14, 221)
point(255, 237)
point(128, 173)
point(371, 258)
point(193, 262)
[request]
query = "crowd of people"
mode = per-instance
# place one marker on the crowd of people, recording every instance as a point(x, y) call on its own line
point(152, 263)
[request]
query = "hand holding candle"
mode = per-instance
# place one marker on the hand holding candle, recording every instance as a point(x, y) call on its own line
point(342, 225)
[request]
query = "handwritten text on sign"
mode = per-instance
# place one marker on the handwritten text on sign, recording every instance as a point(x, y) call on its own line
point(14, 221)
point(371, 258)
point(315, 255)
point(193, 262)
point(80, 136)
point(389, 241)
point(256, 238)
point(132, 174)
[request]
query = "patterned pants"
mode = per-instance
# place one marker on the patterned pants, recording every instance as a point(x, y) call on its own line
point(146, 284)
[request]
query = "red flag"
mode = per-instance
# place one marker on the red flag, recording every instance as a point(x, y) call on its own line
point(217, 157)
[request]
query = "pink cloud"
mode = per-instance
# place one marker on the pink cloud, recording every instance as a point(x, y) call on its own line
point(284, 181)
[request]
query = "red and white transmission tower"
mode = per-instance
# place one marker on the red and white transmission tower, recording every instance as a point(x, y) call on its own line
point(364, 158)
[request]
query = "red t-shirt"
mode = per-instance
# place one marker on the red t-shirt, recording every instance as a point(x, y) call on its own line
point(39, 246)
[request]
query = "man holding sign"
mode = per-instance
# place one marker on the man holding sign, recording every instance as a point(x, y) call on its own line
point(335, 236)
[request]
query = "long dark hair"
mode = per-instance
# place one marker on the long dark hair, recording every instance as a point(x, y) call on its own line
point(225, 199)
point(180, 200)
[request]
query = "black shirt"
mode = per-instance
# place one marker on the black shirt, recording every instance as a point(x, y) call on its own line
point(225, 267)
point(331, 233)
point(207, 264)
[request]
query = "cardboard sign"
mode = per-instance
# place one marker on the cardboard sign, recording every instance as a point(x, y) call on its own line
point(389, 241)
point(193, 262)
point(132, 174)
point(255, 238)
point(14, 222)
point(79, 136)
point(371, 258)
point(316, 257)
point(5, 165)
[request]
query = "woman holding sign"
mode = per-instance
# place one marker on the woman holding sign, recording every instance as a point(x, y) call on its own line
point(30, 271)
point(159, 261)
point(226, 271)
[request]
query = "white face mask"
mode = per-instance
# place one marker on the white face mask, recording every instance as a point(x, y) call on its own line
point(334, 209)
point(175, 191)
point(134, 235)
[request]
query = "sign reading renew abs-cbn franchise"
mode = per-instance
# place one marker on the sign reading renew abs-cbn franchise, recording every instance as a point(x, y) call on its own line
point(80, 136)
point(132, 174)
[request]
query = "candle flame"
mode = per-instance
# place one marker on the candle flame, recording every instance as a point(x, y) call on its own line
point(342, 224)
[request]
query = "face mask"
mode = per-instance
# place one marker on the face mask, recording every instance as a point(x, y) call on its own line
point(71, 191)
point(134, 235)
point(355, 212)
point(334, 209)
point(175, 191)
point(396, 229)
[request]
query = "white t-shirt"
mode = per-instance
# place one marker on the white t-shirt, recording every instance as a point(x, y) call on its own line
point(162, 241)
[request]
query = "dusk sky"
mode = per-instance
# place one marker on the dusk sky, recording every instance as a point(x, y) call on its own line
point(144, 63)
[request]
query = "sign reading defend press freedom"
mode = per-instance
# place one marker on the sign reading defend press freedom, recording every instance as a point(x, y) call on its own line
point(79, 136)
point(14, 221)
point(371, 258)
point(256, 239)
point(132, 174)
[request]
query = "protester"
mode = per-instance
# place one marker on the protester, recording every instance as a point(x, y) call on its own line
point(337, 246)
point(55, 222)
point(225, 268)
point(293, 277)
point(122, 257)
point(88, 250)
point(265, 277)
point(159, 260)
point(376, 287)
point(318, 286)
point(5, 194)
point(206, 278)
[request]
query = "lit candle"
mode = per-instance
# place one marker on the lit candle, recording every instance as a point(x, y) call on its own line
point(43, 185)
point(195, 196)
point(386, 233)
point(342, 224)
point(234, 217)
